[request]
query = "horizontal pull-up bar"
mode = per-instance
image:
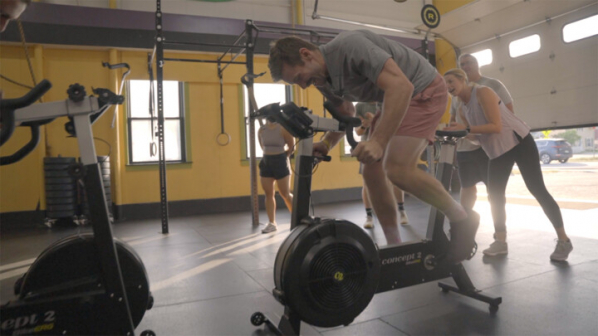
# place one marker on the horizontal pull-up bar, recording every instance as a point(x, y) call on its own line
point(206, 44)
point(274, 29)
point(200, 61)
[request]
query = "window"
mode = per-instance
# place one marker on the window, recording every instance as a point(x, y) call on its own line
point(484, 57)
point(524, 46)
point(140, 124)
point(264, 94)
point(580, 29)
point(589, 142)
point(347, 147)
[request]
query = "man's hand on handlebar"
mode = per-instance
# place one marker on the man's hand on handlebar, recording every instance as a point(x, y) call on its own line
point(368, 152)
point(320, 149)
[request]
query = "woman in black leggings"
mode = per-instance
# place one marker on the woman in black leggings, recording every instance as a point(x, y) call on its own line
point(506, 139)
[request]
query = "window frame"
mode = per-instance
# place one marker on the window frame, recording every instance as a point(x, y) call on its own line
point(491, 56)
point(570, 22)
point(519, 39)
point(182, 125)
point(244, 123)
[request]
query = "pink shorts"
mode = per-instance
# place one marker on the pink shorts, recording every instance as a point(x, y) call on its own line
point(424, 112)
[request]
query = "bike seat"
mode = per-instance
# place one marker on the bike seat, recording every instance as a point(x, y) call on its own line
point(451, 134)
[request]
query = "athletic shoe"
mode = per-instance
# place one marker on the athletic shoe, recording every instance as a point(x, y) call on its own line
point(496, 248)
point(463, 238)
point(562, 250)
point(404, 218)
point(271, 227)
point(369, 222)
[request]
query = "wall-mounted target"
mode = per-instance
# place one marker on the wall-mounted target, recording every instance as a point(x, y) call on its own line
point(430, 16)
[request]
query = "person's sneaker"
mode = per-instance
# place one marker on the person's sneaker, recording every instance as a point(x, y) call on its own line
point(562, 250)
point(404, 218)
point(463, 238)
point(369, 222)
point(271, 227)
point(496, 248)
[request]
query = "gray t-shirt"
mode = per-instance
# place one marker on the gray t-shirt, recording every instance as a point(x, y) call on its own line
point(354, 60)
point(465, 145)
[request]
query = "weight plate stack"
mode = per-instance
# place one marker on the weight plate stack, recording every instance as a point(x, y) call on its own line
point(61, 188)
point(104, 162)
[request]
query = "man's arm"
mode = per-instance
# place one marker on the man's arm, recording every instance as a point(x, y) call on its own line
point(397, 95)
point(332, 138)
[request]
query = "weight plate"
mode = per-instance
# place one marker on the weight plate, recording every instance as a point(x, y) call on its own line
point(57, 173)
point(61, 187)
point(61, 201)
point(61, 207)
point(52, 194)
point(59, 180)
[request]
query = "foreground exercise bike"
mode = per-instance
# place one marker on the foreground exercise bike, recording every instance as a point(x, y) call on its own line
point(327, 270)
point(85, 283)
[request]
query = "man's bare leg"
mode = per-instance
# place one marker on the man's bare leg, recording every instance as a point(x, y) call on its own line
point(400, 163)
point(469, 196)
point(383, 201)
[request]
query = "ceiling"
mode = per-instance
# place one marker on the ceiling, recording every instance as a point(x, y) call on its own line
point(484, 19)
point(466, 25)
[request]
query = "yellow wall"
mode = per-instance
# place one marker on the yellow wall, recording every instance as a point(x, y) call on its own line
point(445, 54)
point(215, 171)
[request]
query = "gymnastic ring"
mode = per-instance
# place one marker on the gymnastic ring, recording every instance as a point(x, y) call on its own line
point(220, 142)
point(153, 149)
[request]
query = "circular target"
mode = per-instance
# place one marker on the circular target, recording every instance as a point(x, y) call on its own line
point(430, 16)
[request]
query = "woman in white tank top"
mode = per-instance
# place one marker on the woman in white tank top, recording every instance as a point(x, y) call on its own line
point(507, 140)
point(274, 168)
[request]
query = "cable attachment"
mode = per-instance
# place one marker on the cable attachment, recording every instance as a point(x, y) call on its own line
point(107, 97)
point(76, 92)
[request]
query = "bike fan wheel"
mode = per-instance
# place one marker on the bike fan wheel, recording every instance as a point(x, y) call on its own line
point(71, 266)
point(327, 272)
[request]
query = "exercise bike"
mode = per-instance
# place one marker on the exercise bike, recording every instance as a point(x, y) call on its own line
point(85, 283)
point(327, 270)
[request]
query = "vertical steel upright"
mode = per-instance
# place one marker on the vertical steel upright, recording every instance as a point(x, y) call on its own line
point(250, 44)
point(160, 77)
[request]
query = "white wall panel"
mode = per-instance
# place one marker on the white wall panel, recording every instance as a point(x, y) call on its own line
point(548, 93)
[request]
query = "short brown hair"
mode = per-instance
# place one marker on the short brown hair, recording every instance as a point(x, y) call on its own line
point(286, 50)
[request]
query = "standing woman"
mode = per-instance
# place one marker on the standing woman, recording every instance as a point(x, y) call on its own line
point(274, 167)
point(506, 139)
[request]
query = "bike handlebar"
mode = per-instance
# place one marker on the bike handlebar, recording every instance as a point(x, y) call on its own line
point(29, 98)
point(8, 107)
point(350, 122)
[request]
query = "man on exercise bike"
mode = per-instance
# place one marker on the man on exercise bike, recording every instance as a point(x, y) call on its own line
point(363, 66)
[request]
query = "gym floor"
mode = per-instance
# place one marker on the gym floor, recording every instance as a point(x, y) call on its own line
point(212, 272)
